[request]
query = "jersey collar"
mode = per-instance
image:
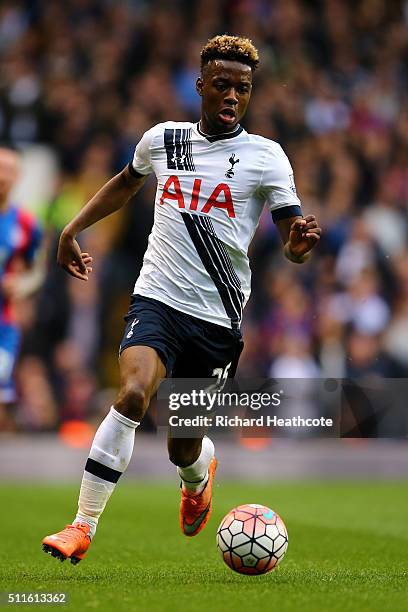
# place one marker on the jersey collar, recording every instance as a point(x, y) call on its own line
point(223, 136)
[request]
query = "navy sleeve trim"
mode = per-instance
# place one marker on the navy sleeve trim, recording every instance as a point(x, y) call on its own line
point(134, 172)
point(285, 212)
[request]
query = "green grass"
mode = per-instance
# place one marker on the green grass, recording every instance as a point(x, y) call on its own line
point(347, 550)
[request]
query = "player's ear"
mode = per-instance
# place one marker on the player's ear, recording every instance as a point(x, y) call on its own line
point(199, 86)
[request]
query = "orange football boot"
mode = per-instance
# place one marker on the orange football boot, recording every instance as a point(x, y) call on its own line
point(195, 508)
point(70, 543)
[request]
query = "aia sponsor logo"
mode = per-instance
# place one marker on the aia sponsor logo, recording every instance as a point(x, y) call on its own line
point(220, 197)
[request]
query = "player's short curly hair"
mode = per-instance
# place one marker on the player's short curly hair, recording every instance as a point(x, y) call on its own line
point(235, 48)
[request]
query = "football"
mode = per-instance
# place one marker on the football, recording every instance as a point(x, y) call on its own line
point(252, 539)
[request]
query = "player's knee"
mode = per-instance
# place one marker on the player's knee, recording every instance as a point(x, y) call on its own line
point(133, 401)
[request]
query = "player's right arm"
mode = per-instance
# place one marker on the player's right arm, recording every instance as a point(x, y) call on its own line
point(110, 198)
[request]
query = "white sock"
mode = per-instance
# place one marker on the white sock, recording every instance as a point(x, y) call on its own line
point(109, 457)
point(194, 477)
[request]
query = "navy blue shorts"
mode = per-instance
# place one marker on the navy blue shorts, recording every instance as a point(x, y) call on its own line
point(187, 346)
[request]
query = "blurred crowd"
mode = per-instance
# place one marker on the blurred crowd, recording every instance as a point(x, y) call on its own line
point(88, 77)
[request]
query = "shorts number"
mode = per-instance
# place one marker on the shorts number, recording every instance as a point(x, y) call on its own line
point(222, 375)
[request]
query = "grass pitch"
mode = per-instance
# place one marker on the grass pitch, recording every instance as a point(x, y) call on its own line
point(348, 549)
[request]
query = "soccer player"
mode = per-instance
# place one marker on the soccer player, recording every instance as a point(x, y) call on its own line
point(20, 238)
point(213, 179)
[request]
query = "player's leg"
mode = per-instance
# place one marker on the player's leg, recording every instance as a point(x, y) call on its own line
point(196, 465)
point(148, 350)
point(141, 371)
point(215, 353)
point(192, 456)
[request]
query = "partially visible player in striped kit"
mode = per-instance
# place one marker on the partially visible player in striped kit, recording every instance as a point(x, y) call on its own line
point(21, 274)
point(213, 179)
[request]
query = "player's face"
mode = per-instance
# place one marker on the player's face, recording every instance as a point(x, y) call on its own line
point(9, 170)
point(225, 88)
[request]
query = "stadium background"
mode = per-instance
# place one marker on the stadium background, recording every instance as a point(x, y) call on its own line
point(80, 81)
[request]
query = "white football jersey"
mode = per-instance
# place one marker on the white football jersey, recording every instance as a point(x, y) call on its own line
point(210, 194)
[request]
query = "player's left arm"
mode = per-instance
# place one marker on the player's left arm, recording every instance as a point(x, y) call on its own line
point(299, 236)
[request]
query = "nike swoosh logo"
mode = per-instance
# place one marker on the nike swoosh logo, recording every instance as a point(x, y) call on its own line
point(189, 529)
point(268, 515)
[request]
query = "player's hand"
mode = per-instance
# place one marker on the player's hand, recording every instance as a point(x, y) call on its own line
point(71, 258)
point(304, 234)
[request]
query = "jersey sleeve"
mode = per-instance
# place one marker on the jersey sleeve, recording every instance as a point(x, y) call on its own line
point(141, 164)
point(278, 185)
